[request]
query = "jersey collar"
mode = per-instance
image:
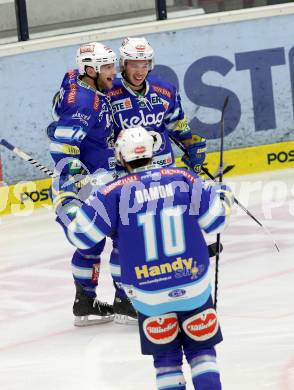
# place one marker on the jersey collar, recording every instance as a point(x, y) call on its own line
point(134, 93)
point(87, 86)
point(145, 168)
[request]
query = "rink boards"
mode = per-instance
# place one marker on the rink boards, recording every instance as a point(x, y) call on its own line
point(26, 196)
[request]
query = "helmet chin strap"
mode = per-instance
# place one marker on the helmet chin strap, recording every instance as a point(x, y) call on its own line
point(95, 79)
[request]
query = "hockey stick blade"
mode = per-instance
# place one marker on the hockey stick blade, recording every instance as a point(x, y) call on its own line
point(212, 249)
point(227, 169)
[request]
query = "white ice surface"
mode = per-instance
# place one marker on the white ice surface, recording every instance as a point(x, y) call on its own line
point(41, 349)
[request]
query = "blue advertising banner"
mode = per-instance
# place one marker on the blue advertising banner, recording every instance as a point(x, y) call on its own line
point(251, 62)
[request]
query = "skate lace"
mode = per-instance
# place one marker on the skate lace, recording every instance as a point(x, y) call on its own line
point(101, 304)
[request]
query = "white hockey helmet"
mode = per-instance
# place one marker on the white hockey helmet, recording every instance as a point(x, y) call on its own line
point(136, 49)
point(94, 54)
point(133, 144)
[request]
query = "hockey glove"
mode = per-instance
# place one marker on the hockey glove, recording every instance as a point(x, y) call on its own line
point(64, 190)
point(196, 155)
point(226, 195)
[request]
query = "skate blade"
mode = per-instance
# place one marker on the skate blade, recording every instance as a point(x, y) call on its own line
point(86, 321)
point(125, 320)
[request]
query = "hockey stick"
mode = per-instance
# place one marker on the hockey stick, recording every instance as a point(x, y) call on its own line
point(212, 248)
point(220, 178)
point(24, 156)
point(206, 171)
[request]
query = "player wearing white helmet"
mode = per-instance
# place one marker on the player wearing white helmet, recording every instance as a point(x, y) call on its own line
point(132, 145)
point(141, 99)
point(136, 61)
point(159, 216)
point(82, 140)
point(96, 62)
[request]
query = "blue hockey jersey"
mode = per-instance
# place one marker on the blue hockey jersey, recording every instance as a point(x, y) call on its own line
point(83, 128)
point(158, 110)
point(159, 216)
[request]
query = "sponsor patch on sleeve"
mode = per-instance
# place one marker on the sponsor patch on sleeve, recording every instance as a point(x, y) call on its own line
point(181, 125)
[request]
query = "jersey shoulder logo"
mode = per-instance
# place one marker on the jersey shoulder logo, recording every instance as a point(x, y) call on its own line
point(178, 171)
point(162, 91)
point(115, 92)
point(119, 183)
point(71, 99)
point(96, 103)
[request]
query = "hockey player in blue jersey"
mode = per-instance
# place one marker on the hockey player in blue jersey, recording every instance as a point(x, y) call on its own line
point(82, 142)
point(138, 98)
point(159, 215)
point(141, 99)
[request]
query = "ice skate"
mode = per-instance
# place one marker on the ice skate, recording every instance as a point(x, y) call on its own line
point(124, 313)
point(90, 311)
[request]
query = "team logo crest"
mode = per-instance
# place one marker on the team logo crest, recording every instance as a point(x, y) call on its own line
point(162, 329)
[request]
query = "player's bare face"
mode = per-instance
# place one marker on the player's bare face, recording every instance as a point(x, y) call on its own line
point(106, 76)
point(136, 71)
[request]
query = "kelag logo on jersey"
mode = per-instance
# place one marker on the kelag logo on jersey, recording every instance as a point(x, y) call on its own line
point(122, 105)
point(141, 120)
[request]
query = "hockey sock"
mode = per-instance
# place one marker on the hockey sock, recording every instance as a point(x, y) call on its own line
point(86, 268)
point(116, 271)
point(170, 378)
point(169, 374)
point(205, 373)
